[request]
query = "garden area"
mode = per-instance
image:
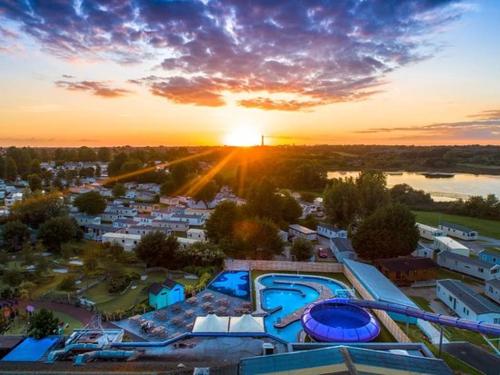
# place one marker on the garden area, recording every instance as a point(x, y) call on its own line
point(86, 274)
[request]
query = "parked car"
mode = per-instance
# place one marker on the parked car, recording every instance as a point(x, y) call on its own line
point(322, 252)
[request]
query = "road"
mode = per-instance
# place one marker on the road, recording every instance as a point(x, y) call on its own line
point(474, 356)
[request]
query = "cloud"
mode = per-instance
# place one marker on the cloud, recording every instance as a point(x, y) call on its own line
point(320, 51)
point(279, 105)
point(97, 88)
point(492, 114)
point(486, 126)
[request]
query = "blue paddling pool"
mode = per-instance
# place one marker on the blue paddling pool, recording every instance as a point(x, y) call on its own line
point(327, 321)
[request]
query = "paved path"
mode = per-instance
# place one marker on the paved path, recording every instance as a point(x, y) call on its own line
point(474, 356)
point(78, 313)
point(324, 293)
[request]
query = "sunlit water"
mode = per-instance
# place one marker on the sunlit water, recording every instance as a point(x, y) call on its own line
point(462, 185)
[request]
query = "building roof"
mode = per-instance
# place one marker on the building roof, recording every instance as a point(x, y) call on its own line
point(450, 242)
point(473, 300)
point(465, 259)
point(459, 227)
point(427, 227)
point(211, 323)
point(122, 235)
point(406, 264)
point(495, 283)
point(156, 288)
point(342, 359)
point(495, 251)
point(330, 227)
point(301, 229)
point(343, 244)
point(247, 324)
point(379, 286)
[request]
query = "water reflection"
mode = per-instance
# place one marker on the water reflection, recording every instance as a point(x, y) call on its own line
point(462, 185)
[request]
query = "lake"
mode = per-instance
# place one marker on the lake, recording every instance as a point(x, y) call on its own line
point(462, 185)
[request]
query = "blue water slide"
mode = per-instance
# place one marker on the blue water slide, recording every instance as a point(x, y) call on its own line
point(445, 320)
point(55, 354)
point(81, 359)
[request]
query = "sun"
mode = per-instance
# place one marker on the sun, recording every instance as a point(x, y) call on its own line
point(243, 136)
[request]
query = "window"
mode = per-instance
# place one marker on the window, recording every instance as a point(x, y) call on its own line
point(496, 320)
point(480, 269)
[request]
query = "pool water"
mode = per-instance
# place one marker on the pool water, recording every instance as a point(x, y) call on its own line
point(341, 316)
point(290, 296)
point(232, 283)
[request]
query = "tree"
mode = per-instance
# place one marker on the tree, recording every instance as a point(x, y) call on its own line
point(307, 175)
point(35, 182)
point(179, 173)
point(67, 284)
point(39, 208)
point(119, 190)
point(207, 192)
point(372, 190)
point(341, 201)
point(310, 222)
point(90, 263)
point(289, 208)
point(389, 232)
point(168, 187)
point(56, 231)
point(257, 239)
point(221, 223)
point(10, 172)
point(405, 194)
point(15, 234)
point(104, 154)
point(262, 201)
point(86, 154)
point(302, 249)
point(35, 167)
point(91, 203)
point(42, 323)
point(157, 250)
point(200, 254)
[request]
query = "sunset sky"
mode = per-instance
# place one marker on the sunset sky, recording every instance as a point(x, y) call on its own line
point(212, 72)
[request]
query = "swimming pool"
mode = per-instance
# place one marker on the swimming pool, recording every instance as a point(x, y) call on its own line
point(232, 283)
point(283, 294)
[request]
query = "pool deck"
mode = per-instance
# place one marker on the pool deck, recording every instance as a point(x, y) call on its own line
point(324, 293)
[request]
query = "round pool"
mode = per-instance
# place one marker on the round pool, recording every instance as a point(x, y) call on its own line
point(329, 321)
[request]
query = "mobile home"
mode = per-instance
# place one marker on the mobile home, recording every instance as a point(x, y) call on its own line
point(459, 231)
point(444, 243)
point(428, 232)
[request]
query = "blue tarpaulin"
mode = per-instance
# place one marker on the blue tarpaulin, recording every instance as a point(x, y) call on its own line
point(31, 350)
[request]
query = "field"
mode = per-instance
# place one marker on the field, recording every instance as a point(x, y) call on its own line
point(489, 228)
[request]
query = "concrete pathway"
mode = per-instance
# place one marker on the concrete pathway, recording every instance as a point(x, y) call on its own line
point(324, 293)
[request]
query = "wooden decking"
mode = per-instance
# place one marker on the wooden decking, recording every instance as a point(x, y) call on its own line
point(324, 293)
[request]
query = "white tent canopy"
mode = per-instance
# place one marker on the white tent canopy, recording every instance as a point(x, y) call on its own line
point(211, 323)
point(246, 323)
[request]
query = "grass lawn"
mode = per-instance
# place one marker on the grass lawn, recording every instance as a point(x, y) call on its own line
point(444, 273)
point(107, 302)
point(73, 323)
point(421, 302)
point(489, 228)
